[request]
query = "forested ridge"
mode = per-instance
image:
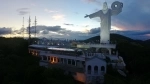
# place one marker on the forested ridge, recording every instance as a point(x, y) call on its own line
point(136, 54)
point(19, 67)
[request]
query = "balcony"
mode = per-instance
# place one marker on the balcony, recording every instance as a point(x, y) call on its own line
point(96, 45)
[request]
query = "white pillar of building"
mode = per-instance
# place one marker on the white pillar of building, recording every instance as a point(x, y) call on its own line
point(42, 57)
point(75, 62)
point(97, 49)
point(109, 51)
point(47, 58)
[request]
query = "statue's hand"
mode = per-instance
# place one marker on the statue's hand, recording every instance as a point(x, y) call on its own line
point(86, 16)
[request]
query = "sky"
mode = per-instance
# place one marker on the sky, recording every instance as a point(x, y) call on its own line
point(65, 18)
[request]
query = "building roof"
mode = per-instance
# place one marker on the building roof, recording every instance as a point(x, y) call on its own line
point(60, 48)
point(64, 49)
point(42, 46)
point(95, 57)
point(113, 57)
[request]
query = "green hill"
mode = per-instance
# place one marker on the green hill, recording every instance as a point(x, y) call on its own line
point(134, 52)
point(116, 38)
point(113, 38)
point(136, 56)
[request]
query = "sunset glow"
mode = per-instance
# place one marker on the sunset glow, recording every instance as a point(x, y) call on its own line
point(69, 16)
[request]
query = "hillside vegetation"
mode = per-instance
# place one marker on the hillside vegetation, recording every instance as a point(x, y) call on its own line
point(19, 67)
point(136, 54)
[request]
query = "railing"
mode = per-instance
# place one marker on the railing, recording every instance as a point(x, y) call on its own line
point(96, 45)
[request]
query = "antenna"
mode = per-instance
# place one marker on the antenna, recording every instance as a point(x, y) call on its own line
point(23, 27)
point(29, 30)
point(35, 26)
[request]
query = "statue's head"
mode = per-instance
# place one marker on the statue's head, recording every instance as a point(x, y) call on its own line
point(105, 7)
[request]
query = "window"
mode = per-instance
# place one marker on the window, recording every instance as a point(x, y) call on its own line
point(40, 58)
point(58, 59)
point(89, 69)
point(51, 58)
point(102, 68)
point(77, 63)
point(55, 59)
point(44, 58)
point(62, 60)
point(48, 57)
point(65, 61)
point(83, 63)
point(95, 69)
point(73, 62)
point(69, 61)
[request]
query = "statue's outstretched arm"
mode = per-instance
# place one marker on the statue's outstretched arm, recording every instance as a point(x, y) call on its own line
point(116, 8)
point(96, 14)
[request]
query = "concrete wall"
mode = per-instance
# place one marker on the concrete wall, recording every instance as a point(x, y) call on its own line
point(96, 45)
point(95, 62)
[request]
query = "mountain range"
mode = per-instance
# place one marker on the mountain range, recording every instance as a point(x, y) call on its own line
point(119, 39)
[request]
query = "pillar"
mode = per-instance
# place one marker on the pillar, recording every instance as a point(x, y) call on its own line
point(75, 62)
point(47, 58)
point(97, 49)
point(51, 58)
point(71, 61)
point(117, 53)
point(109, 51)
point(42, 57)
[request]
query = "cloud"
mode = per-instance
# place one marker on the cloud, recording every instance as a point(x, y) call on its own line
point(57, 32)
point(122, 32)
point(98, 2)
point(86, 26)
point(4, 31)
point(23, 11)
point(50, 11)
point(134, 34)
point(19, 31)
point(94, 30)
point(68, 24)
point(91, 1)
point(44, 32)
point(58, 17)
point(134, 16)
point(33, 4)
point(45, 29)
point(76, 13)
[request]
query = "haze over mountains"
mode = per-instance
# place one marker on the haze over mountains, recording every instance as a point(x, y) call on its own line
point(119, 38)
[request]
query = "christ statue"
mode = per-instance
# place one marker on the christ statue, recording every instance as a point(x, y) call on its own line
point(105, 16)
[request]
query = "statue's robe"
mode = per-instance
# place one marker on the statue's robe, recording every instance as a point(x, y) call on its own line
point(105, 23)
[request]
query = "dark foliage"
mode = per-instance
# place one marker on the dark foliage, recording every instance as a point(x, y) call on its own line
point(19, 67)
point(136, 54)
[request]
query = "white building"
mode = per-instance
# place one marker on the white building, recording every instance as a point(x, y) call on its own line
point(88, 61)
